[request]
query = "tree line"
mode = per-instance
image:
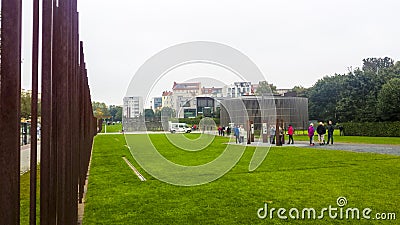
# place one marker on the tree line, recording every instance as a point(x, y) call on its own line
point(367, 94)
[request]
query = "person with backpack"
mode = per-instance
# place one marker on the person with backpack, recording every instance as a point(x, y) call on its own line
point(236, 132)
point(321, 130)
point(290, 133)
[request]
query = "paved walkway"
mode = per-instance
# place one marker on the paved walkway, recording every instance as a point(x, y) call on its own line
point(372, 148)
point(26, 157)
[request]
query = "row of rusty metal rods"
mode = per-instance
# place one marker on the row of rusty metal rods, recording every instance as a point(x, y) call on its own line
point(67, 122)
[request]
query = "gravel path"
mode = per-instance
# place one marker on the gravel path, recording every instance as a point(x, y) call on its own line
point(372, 148)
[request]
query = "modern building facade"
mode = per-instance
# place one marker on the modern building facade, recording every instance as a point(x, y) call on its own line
point(269, 109)
point(184, 98)
point(133, 107)
point(237, 89)
point(166, 99)
point(157, 103)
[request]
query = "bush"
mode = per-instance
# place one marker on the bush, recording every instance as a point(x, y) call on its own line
point(372, 129)
point(196, 120)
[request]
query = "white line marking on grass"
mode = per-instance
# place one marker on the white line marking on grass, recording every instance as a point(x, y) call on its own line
point(139, 175)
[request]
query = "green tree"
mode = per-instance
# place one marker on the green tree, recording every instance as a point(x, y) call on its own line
point(115, 112)
point(265, 88)
point(389, 100)
point(100, 110)
point(300, 91)
point(149, 115)
point(323, 97)
point(25, 104)
point(26, 99)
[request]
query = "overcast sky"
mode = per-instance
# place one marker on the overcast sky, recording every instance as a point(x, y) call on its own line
point(292, 42)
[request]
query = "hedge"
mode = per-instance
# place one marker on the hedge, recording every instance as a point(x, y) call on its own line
point(196, 120)
point(372, 129)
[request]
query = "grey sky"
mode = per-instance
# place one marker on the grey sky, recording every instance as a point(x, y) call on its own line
point(292, 42)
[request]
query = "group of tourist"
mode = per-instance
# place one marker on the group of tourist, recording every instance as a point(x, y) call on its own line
point(239, 132)
point(272, 134)
point(321, 131)
point(222, 130)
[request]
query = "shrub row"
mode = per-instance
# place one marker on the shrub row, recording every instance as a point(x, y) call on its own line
point(372, 129)
point(196, 120)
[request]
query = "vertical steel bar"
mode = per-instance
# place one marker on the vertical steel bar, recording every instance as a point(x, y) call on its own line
point(46, 111)
point(10, 92)
point(34, 112)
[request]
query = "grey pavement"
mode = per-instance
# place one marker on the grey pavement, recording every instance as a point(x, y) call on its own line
point(26, 157)
point(371, 148)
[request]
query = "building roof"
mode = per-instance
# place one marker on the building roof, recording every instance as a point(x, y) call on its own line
point(167, 93)
point(211, 90)
point(186, 86)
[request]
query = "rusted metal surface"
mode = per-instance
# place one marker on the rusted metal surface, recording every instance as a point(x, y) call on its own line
point(47, 212)
point(34, 113)
point(67, 122)
point(10, 91)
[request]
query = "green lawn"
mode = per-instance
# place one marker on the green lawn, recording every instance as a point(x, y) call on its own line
point(112, 128)
point(289, 177)
point(25, 190)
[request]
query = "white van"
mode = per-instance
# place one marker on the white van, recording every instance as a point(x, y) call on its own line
point(179, 127)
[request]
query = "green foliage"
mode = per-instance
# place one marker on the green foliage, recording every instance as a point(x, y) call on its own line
point(149, 115)
point(26, 99)
point(353, 96)
point(196, 120)
point(372, 129)
point(300, 91)
point(100, 110)
point(265, 88)
point(115, 113)
point(389, 100)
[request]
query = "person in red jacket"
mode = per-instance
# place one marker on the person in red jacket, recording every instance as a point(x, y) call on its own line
point(290, 133)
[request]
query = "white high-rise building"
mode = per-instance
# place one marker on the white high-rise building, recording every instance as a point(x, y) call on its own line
point(133, 106)
point(237, 89)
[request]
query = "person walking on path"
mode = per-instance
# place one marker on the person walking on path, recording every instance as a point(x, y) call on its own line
point(331, 128)
point(236, 133)
point(241, 134)
point(321, 130)
point(311, 131)
point(272, 131)
point(290, 133)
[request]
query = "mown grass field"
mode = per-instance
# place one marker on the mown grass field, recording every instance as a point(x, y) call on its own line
point(116, 128)
point(24, 196)
point(289, 177)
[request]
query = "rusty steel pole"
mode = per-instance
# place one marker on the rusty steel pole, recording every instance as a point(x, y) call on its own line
point(10, 93)
point(34, 113)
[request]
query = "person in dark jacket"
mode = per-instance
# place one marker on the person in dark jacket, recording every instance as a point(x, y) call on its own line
point(321, 130)
point(331, 128)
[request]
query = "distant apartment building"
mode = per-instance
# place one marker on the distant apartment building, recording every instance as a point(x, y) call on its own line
point(237, 89)
point(157, 103)
point(133, 106)
point(211, 92)
point(166, 99)
point(184, 98)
